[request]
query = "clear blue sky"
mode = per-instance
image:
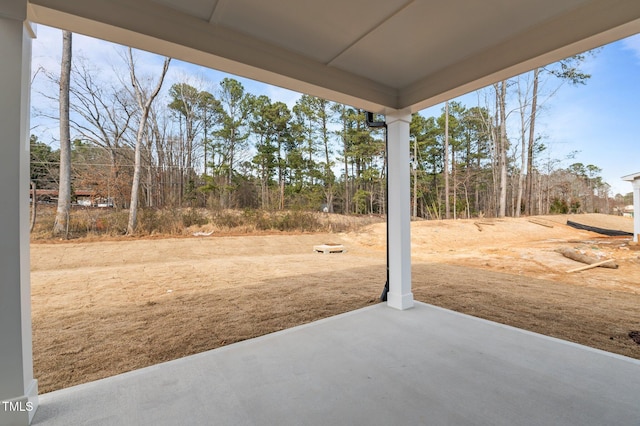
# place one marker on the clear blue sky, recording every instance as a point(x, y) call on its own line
point(601, 119)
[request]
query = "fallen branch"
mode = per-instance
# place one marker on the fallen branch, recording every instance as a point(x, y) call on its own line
point(593, 265)
point(579, 257)
point(478, 225)
point(202, 234)
point(537, 222)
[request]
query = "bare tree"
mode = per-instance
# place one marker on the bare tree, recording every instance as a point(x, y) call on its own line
point(144, 104)
point(530, 145)
point(61, 223)
point(157, 156)
point(102, 114)
point(523, 151)
point(502, 145)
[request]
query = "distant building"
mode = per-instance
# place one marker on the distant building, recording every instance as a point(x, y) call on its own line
point(635, 181)
point(82, 198)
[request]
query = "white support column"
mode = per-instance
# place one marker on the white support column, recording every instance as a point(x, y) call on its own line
point(636, 208)
point(399, 214)
point(18, 389)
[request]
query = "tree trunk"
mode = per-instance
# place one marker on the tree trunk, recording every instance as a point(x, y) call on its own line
point(61, 224)
point(328, 174)
point(447, 207)
point(521, 175)
point(455, 183)
point(145, 106)
point(346, 209)
point(33, 206)
point(113, 188)
point(502, 151)
point(282, 194)
point(347, 198)
point(415, 178)
point(532, 126)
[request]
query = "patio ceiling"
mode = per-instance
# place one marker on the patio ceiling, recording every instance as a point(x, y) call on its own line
point(372, 54)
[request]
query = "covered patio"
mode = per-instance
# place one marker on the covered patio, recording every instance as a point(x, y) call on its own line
point(373, 366)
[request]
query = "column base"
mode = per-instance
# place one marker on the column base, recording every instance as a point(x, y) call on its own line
point(400, 301)
point(20, 411)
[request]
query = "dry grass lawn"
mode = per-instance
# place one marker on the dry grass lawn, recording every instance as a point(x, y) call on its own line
point(105, 307)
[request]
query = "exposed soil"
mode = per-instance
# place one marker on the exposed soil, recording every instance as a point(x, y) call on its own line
point(104, 307)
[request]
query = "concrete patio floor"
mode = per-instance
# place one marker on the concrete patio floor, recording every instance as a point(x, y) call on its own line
point(373, 366)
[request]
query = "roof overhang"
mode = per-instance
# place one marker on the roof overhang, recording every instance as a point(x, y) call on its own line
point(631, 178)
point(372, 54)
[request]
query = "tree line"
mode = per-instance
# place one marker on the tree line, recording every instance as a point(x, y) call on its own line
point(138, 145)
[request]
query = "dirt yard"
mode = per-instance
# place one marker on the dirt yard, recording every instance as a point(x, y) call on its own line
point(106, 307)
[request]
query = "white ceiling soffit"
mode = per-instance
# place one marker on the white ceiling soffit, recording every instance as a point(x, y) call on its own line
point(372, 54)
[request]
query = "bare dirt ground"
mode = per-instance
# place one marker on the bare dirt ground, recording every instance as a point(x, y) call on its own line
point(104, 307)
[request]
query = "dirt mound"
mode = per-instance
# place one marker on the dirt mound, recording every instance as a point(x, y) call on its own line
point(522, 246)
